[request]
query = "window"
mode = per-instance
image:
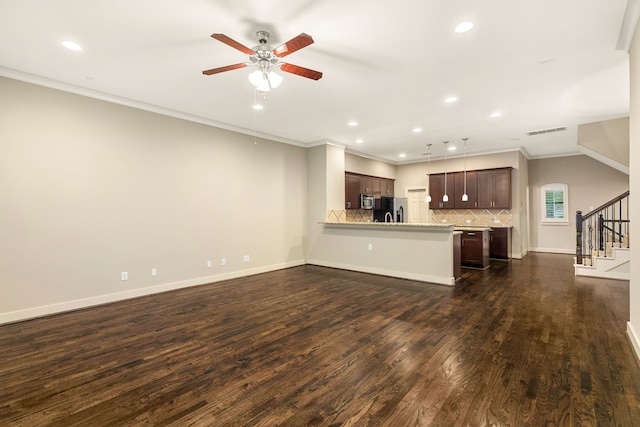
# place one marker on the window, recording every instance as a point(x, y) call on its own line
point(555, 206)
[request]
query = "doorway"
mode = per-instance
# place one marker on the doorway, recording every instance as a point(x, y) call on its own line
point(418, 208)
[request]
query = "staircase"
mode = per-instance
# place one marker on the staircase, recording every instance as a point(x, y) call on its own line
point(602, 240)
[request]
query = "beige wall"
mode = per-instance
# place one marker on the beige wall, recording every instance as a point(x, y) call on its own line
point(634, 166)
point(424, 253)
point(608, 137)
point(364, 166)
point(414, 175)
point(524, 209)
point(89, 189)
point(591, 184)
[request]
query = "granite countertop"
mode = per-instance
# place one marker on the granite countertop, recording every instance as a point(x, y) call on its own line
point(392, 225)
point(420, 226)
point(479, 227)
point(472, 228)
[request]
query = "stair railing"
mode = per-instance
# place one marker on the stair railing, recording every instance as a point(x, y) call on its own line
point(604, 227)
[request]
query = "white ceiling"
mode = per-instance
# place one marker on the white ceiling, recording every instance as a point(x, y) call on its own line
point(388, 65)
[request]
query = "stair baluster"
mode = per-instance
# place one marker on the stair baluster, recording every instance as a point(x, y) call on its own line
point(611, 230)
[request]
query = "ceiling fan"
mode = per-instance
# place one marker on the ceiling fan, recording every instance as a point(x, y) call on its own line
point(264, 57)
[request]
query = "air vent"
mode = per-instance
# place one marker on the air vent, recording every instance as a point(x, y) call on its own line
point(543, 131)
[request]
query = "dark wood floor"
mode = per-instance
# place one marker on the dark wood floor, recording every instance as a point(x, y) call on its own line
point(524, 343)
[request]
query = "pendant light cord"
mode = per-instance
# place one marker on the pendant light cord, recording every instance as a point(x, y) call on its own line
point(465, 165)
point(445, 172)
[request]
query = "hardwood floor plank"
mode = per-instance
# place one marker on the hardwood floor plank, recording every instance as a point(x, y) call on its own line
point(523, 343)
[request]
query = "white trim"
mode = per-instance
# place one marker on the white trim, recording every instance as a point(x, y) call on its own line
point(418, 188)
point(61, 307)
point(633, 338)
point(629, 25)
point(91, 93)
point(604, 159)
point(554, 250)
point(459, 156)
point(555, 186)
point(322, 142)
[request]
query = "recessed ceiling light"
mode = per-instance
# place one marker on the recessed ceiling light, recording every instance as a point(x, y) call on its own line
point(450, 99)
point(417, 130)
point(71, 45)
point(359, 141)
point(353, 123)
point(463, 27)
point(452, 148)
point(402, 155)
point(495, 115)
point(257, 107)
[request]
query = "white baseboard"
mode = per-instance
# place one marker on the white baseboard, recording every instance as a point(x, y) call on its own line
point(554, 251)
point(46, 310)
point(635, 342)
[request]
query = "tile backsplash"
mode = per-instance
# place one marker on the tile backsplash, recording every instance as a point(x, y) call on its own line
point(350, 215)
point(473, 217)
point(470, 217)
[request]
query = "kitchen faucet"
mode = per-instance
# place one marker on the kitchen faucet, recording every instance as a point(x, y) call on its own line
point(390, 217)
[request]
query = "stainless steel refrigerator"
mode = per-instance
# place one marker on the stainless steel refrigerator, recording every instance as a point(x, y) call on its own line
point(391, 209)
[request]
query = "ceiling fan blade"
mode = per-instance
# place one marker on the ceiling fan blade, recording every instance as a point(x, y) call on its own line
point(234, 44)
point(222, 69)
point(296, 43)
point(301, 71)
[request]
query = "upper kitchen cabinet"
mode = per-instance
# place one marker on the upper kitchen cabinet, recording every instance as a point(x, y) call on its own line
point(472, 190)
point(494, 189)
point(386, 188)
point(437, 191)
point(356, 184)
point(352, 191)
point(366, 184)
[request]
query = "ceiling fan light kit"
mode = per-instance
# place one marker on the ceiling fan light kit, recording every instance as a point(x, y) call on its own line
point(264, 81)
point(264, 57)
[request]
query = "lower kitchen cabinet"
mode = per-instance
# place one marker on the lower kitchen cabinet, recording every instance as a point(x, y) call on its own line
point(500, 243)
point(457, 273)
point(474, 250)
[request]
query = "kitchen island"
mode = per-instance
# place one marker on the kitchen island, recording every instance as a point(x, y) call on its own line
point(423, 252)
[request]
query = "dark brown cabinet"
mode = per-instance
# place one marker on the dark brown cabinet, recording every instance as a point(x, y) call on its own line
point(500, 243)
point(472, 190)
point(366, 184)
point(494, 189)
point(487, 189)
point(356, 184)
point(387, 187)
point(457, 273)
point(352, 191)
point(474, 250)
point(437, 190)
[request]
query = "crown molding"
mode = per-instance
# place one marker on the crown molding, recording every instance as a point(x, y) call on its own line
point(132, 103)
point(629, 25)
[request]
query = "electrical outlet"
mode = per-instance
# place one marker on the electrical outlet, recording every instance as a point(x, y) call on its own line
point(124, 276)
point(208, 264)
point(154, 271)
point(223, 261)
point(370, 246)
point(247, 258)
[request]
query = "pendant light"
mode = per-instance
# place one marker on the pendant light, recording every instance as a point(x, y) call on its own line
point(429, 172)
point(445, 198)
point(465, 197)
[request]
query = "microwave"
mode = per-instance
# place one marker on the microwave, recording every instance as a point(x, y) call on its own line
point(366, 201)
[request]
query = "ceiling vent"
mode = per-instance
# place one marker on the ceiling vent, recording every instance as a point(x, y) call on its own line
point(543, 131)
